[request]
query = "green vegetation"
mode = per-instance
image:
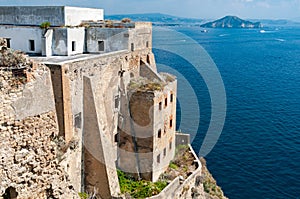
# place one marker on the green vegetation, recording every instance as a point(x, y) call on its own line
point(83, 195)
point(141, 188)
point(172, 165)
point(45, 25)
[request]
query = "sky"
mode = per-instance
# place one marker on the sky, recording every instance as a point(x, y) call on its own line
point(209, 9)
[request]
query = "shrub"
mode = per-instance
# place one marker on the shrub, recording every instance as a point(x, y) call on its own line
point(173, 165)
point(139, 188)
point(83, 195)
point(45, 25)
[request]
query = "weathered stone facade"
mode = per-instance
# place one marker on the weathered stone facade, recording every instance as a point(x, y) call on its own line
point(68, 123)
point(30, 149)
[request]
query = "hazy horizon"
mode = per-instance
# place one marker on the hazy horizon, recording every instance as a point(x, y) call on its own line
point(208, 9)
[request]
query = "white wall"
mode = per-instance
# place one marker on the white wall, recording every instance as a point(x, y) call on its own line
point(56, 15)
point(20, 36)
point(75, 15)
point(77, 35)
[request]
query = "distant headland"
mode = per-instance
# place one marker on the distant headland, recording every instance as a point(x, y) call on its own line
point(231, 22)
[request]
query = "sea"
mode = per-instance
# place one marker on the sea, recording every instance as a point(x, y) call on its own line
point(257, 154)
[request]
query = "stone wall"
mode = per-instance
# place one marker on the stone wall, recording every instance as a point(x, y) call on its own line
point(31, 151)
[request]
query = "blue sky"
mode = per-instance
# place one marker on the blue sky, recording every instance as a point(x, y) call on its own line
point(272, 9)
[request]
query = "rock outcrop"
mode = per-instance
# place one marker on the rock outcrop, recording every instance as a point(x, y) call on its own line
point(231, 22)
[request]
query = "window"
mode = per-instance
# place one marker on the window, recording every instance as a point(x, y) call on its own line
point(73, 45)
point(77, 120)
point(132, 46)
point(160, 106)
point(158, 159)
point(170, 145)
point(117, 137)
point(166, 102)
point(165, 152)
point(31, 45)
point(147, 44)
point(159, 133)
point(8, 42)
point(171, 123)
point(171, 98)
point(117, 102)
point(148, 59)
point(100, 45)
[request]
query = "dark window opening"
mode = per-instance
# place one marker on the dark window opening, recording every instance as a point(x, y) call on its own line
point(160, 106)
point(158, 158)
point(147, 44)
point(78, 120)
point(166, 101)
point(171, 123)
point(171, 98)
point(159, 133)
point(10, 193)
point(117, 137)
point(148, 59)
point(73, 45)
point(132, 46)
point(31, 45)
point(165, 152)
point(8, 42)
point(170, 145)
point(100, 45)
point(117, 102)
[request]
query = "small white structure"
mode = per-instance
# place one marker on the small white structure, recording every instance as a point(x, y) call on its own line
point(72, 31)
point(56, 15)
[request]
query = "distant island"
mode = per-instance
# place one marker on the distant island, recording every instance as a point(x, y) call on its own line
point(231, 22)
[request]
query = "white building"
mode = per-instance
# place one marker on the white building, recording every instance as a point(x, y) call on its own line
point(72, 31)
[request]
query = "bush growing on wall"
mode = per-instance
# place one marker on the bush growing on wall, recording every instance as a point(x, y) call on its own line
point(45, 25)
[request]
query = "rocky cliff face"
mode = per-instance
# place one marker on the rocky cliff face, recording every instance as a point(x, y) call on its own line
point(30, 150)
point(231, 22)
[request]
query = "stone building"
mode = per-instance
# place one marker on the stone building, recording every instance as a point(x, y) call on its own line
point(109, 98)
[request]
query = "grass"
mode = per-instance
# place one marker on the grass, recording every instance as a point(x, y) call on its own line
point(83, 195)
point(141, 188)
point(173, 165)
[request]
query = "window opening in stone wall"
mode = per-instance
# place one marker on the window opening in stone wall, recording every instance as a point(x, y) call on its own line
point(170, 145)
point(73, 45)
point(159, 133)
point(77, 120)
point(132, 46)
point(160, 106)
point(117, 137)
point(10, 193)
point(166, 102)
point(158, 159)
point(171, 98)
point(31, 45)
point(165, 152)
point(8, 42)
point(100, 45)
point(171, 123)
point(147, 44)
point(148, 59)
point(117, 102)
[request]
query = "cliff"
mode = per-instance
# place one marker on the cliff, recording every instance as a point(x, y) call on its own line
point(231, 22)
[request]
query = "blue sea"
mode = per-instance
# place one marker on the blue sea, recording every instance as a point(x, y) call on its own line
point(258, 152)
